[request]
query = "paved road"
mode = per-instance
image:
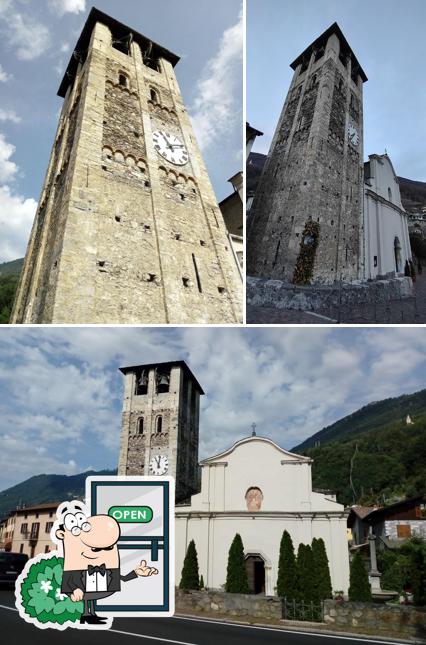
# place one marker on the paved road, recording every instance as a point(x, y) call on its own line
point(177, 631)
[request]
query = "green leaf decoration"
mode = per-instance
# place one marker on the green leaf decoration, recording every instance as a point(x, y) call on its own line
point(46, 607)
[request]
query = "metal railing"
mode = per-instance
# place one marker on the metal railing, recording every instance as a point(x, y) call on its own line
point(303, 610)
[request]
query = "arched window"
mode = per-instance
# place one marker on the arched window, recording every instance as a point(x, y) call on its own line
point(154, 95)
point(159, 427)
point(140, 425)
point(123, 80)
point(389, 194)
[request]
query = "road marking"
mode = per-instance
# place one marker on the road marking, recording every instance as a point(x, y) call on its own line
point(117, 631)
point(293, 631)
point(7, 607)
point(154, 638)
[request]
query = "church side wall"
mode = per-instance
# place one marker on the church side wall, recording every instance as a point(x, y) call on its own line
point(261, 535)
point(383, 225)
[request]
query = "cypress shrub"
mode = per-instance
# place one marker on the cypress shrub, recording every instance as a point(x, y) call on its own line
point(305, 564)
point(287, 573)
point(418, 575)
point(359, 586)
point(236, 573)
point(190, 579)
point(321, 572)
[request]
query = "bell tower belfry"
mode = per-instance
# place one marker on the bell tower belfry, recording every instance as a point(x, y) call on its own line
point(160, 424)
point(128, 229)
point(306, 222)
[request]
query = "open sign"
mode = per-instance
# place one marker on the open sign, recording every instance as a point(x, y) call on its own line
point(124, 514)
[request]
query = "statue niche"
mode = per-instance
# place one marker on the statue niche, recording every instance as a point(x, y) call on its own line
point(254, 498)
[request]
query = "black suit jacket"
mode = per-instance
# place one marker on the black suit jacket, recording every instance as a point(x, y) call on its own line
point(76, 579)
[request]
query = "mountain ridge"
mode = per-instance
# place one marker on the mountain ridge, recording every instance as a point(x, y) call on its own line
point(40, 489)
point(373, 415)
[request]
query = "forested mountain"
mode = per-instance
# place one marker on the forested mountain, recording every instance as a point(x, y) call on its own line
point(373, 416)
point(9, 277)
point(373, 456)
point(45, 488)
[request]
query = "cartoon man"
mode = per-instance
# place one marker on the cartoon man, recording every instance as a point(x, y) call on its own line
point(91, 558)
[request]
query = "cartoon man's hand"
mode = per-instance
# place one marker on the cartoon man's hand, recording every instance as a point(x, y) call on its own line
point(144, 571)
point(77, 595)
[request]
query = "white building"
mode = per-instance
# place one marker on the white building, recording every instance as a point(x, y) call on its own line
point(386, 239)
point(258, 489)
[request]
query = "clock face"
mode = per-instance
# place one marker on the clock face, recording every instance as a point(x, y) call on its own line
point(158, 465)
point(353, 135)
point(170, 147)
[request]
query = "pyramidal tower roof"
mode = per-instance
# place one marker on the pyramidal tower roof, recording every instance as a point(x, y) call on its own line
point(321, 41)
point(118, 30)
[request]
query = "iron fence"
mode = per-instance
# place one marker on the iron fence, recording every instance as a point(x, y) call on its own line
point(303, 610)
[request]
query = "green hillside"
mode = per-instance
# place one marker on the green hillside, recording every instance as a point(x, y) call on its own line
point(373, 416)
point(9, 277)
point(45, 488)
point(389, 463)
point(11, 268)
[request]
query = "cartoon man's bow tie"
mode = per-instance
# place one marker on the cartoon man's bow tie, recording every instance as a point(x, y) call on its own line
point(100, 569)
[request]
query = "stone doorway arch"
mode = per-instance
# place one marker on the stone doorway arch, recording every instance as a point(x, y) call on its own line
point(255, 566)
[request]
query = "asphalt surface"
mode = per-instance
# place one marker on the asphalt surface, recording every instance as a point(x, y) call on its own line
point(178, 631)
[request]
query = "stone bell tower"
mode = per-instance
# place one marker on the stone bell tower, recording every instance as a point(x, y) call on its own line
point(159, 435)
point(306, 221)
point(127, 229)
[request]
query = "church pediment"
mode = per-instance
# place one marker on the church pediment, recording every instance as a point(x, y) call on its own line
point(286, 457)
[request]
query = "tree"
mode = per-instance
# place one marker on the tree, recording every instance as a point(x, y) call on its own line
point(236, 573)
point(287, 572)
point(190, 579)
point(321, 572)
point(359, 586)
point(418, 574)
point(305, 565)
point(201, 582)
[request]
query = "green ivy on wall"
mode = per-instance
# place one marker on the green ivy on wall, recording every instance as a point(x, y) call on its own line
point(306, 258)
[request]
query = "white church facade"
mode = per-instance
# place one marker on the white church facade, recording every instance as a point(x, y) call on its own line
point(386, 238)
point(258, 490)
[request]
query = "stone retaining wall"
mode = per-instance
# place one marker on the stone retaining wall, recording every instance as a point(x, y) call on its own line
point(398, 621)
point(282, 295)
point(239, 606)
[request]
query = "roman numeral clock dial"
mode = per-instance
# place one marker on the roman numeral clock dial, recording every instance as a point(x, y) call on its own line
point(158, 465)
point(170, 147)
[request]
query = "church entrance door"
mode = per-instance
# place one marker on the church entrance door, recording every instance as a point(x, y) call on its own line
point(255, 566)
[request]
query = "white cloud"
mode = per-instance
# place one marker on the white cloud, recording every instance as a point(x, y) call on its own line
point(24, 35)
point(67, 6)
point(65, 47)
point(218, 100)
point(8, 168)
point(16, 217)
point(60, 389)
point(9, 115)
point(4, 76)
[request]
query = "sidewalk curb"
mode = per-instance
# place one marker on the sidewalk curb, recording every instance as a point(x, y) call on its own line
point(305, 629)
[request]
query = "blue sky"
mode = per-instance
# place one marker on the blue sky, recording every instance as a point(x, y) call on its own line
point(61, 391)
point(36, 40)
point(388, 38)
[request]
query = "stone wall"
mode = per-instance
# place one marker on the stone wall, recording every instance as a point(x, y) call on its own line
point(395, 621)
point(398, 621)
point(219, 603)
point(282, 295)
